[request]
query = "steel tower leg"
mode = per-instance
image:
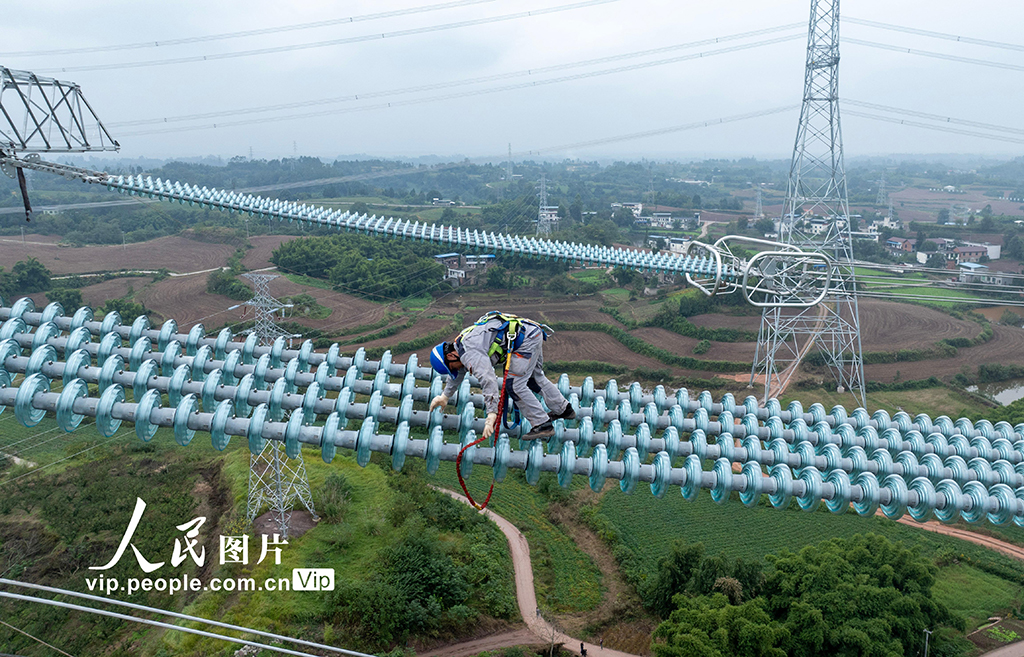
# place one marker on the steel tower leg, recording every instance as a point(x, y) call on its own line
point(816, 217)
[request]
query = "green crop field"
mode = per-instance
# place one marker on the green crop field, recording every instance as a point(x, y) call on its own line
point(566, 578)
point(933, 401)
point(650, 526)
point(589, 275)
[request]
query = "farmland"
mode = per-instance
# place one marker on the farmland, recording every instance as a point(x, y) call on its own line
point(648, 527)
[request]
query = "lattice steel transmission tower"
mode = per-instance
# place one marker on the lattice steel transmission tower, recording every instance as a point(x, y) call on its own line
point(275, 482)
point(816, 216)
point(883, 193)
point(547, 216)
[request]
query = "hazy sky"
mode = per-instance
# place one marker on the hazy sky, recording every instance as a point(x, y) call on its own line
point(544, 116)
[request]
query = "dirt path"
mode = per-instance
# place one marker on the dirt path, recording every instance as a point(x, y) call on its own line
point(1009, 549)
point(542, 631)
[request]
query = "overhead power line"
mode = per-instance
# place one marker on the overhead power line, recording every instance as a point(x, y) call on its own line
point(474, 92)
point(244, 33)
point(36, 639)
point(928, 126)
point(184, 617)
point(404, 171)
point(331, 42)
point(934, 117)
point(136, 619)
point(456, 83)
point(936, 55)
point(936, 35)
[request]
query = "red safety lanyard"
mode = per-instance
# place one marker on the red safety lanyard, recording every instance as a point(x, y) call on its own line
point(458, 459)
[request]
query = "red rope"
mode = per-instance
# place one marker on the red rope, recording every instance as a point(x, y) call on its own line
point(458, 459)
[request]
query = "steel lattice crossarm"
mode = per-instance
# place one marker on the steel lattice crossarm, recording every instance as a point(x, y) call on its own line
point(44, 115)
point(905, 471)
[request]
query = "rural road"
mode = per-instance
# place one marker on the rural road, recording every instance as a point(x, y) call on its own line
point(540, 631)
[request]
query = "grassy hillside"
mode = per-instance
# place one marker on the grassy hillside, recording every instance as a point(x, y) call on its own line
point(384, 533)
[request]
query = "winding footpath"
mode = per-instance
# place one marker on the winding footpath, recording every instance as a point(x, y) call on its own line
point(538, 630)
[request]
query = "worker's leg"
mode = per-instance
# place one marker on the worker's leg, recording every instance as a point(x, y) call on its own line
point(524, 362)
point(544, 387)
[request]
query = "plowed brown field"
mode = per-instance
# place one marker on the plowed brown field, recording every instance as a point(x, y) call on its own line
point(683, 346)
point(420, 328)
point(115, 288)
point(186, 300)
point(718, 320)
point(258, 256)
point(888, 326)
point(1006, 347)
point(174, 253)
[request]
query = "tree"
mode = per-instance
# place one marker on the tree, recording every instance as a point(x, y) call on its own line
point(943, 216)
point(936, 261)
point(1015, 248)
point(742, 222)
point(496, 277)
point(765, 225)
point(674, 574)
point(623, 217)
point(576, 209)
point(68, 298)
point(30, 276)
point(711, 627)
point(874, 597)
point(359, 208)
point(448, 215)
point(127, 309)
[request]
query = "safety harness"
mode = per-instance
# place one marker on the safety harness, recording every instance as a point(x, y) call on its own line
point(509, 338)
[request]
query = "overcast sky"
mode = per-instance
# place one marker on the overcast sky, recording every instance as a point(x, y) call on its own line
point(544, 116)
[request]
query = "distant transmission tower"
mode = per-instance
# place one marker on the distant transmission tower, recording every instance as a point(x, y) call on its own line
point(816, 215)
point(758, 207)
point(883, 194)
point(547, 216)
point(275, 481)
point(508, 165)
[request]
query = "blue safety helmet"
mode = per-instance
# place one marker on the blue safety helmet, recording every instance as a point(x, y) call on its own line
point(438, 362)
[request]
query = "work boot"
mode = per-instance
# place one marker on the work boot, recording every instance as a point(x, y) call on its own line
point(543, 432)
point(567, 414)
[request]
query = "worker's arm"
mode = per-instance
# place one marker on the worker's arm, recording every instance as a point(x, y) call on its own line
point(478, 363)
point(451, 384)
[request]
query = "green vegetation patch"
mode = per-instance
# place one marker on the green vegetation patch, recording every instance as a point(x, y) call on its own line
point(565, 577)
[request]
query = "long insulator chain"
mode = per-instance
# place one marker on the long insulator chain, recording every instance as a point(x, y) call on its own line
point(960, 467)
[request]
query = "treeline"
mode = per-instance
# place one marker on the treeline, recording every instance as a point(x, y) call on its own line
point(381, 269)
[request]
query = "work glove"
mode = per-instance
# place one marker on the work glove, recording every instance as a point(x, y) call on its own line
point(438, 402)
point(492, 419)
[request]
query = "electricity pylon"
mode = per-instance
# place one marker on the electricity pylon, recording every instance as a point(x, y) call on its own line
point(275, 482)
point(816, 216)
